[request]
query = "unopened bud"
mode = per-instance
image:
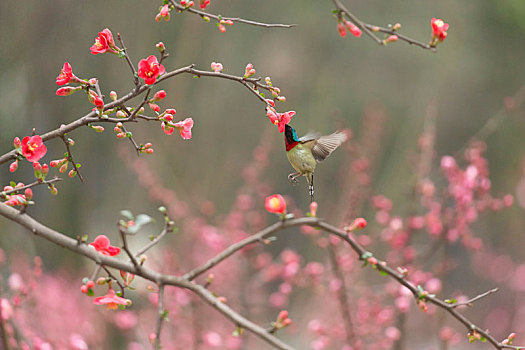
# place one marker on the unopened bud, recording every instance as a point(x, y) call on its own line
point(13, 166)
point(17, 143)
point(113, 96)
point(160, 46)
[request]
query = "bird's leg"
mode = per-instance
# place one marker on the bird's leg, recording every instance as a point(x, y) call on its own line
point(311, 188)
point(292, 178)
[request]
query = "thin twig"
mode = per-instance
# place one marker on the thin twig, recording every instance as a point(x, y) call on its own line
point(153, 242)
point(471, 301)
point(130, 64)
point(3, 194)
point(342, 294)
point(160, 317)
point(369, 29)
point(182, 9)
point(123, 235)
point(114, 279)
point(70, 158)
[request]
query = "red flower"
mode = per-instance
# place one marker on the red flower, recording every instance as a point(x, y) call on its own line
point(101, 245)
point(104, 43)
point(439, 31)
point(111, 300)
point(65, 74)
point(275, 204)
point(33, 148)
point(150, 69)
point(279, 119)
point(204, 3)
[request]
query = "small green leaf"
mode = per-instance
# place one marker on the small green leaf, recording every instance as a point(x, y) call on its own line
point(238, 332)
point(78, 165)
point(12, 183)
point(165, 315)
point(366, 255)
point(451, 301)
point(151, 237)
point(140, 220)
point(90, 292)
point(84, 238)
point(262, 94)
point(127, 214)
point(383, 273)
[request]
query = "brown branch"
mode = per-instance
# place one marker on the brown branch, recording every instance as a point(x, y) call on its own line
point(93, 117)
point(154, 241)
point(182, 9)
point(369, 29)
point(184, 282)
point(82, 249)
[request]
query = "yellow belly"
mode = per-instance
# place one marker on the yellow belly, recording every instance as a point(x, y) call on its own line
point(302, 159)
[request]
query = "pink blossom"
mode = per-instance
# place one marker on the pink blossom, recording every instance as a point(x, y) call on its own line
point(216, 67)
point(212, 339)
point(103, 246)
point(184, 128)
point(111, 300)
point(66, 75)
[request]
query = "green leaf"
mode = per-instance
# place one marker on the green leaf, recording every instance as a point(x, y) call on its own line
point(165, 315)
point(140, 220)
point(366, 255)
point(78, 165)
point(12, 183)
point(238, 332)
point(90, 292)
point(262, 94)
point(84, 238)
point(151, 237)
point(451, 301)
point(127, 214)
point(383, 273)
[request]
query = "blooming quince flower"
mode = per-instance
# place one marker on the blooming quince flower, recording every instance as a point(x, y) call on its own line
point(204, 3)
point(66, 76)
point(439, 31)
point(111, 300)
point(216, 66)
point(150, 69)
point(279, 119)
point(104, 43)
point(275, 204)
point(101, 245)
point(183, 126)
point(33, 148)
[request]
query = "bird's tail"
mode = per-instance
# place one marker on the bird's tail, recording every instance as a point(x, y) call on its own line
point(310, 178)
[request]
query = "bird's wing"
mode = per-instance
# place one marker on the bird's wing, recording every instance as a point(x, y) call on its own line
point(325, 145)
point(310, 136)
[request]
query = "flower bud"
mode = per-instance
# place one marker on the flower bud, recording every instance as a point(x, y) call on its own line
point(67, 90)
point(113, 96)
point(17, 143)
point(160, 46)
point(13, 166)
point(28, 193)
point(45, 169)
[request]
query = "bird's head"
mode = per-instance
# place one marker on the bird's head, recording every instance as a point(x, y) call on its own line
point(290, 136)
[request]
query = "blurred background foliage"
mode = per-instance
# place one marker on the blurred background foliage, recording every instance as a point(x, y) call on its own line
point(331, 82)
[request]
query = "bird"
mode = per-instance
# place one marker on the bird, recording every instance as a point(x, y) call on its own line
point(304, 153)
